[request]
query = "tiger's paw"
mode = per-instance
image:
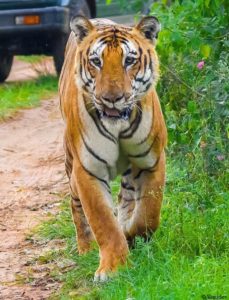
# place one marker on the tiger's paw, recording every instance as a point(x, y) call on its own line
point(85, 246)
point(110, 262)
point(84, 250)
point(101, 276)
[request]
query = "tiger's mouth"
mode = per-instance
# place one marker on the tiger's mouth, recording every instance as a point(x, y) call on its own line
point(114, 113)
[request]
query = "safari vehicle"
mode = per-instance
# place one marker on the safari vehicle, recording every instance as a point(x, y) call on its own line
point(42, 26)
point(37, 27)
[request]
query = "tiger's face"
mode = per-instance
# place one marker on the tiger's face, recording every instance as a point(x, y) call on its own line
point(116, 65)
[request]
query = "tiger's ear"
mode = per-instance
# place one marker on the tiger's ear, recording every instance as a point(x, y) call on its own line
point(149, 27)
point(81, 26)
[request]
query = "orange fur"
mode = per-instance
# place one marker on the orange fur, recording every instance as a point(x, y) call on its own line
point(95, 219)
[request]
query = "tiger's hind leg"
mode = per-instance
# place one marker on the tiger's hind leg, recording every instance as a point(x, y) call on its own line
point(84, 236)
point(126, 200)
point(145, 217)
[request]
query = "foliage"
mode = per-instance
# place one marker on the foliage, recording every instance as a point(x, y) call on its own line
point(14, 96)
point(32, 58)
point(195, 99)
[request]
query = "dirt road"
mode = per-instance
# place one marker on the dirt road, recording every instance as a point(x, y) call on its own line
point(32, 183)
point(22, 70)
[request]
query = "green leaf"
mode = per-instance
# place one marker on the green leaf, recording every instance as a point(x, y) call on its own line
point(205, 50)
point(206, 2)
point(108, 2)
point(192, 107)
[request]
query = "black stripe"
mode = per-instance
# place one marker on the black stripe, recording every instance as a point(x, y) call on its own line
point(145, 63)
point(100, 126)
point(150, 61)
point(68, 167)
point(104, 133)
point(133, 52)
point(125, 43)
point(141, 79)
point(100, 45)
point(105, 129)
point(150, 169)
point(133, 127)
point(91, 151)
point(128, 199)
point(139, 60)
point(143, 153)
point(89, 71)
point(145, 139)
point(131, 124)
point(100, 179)
point(127, 172)
point(148, 86)
point(125, 205)
point(141, 171)
point(128, 187)
point(77, 202)
point(81, 71)
point(84, 63)
point(122, 39)
point(104, 39)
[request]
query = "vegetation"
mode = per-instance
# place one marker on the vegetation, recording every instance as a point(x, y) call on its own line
point(26, 94)
point(187, 258)
point(32, 58)
point(193, 49)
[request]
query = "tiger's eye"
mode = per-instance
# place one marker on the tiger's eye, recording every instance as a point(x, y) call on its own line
point(129, 60)
point(96, 61)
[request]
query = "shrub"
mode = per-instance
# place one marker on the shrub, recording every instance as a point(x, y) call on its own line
point(193, 50)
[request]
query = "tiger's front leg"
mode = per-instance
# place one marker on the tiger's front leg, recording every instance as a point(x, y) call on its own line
point(149, 185)
point(95, 198)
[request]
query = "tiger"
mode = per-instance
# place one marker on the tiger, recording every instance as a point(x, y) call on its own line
point(113, 126)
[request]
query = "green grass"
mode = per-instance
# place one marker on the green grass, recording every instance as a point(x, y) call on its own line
point(31, 58)
point(26, 94)
point(186, 258)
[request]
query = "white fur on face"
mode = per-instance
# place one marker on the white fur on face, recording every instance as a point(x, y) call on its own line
point(141, 83)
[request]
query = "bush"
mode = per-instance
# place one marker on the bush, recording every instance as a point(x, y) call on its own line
point(193, 50)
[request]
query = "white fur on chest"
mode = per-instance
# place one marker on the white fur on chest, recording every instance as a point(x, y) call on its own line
point(107, 158)
point(139, 146)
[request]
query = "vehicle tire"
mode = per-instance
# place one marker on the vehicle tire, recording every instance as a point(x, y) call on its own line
point(77, 7)
point(5, 66)
point(58, 53)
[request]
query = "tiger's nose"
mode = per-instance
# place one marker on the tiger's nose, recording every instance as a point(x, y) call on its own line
point(112, 97)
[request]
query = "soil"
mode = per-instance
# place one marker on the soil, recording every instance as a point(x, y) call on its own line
point(22, 70)
point(32, 184)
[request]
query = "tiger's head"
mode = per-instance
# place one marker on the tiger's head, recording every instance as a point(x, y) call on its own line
point(116, 65)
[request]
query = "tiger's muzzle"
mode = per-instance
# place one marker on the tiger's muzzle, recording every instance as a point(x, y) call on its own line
point(114, 106)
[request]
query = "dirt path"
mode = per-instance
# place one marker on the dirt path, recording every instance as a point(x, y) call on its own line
point(22, 70)
point(32, 181)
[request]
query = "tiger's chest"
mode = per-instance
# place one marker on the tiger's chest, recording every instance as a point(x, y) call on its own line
point(108, 147)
